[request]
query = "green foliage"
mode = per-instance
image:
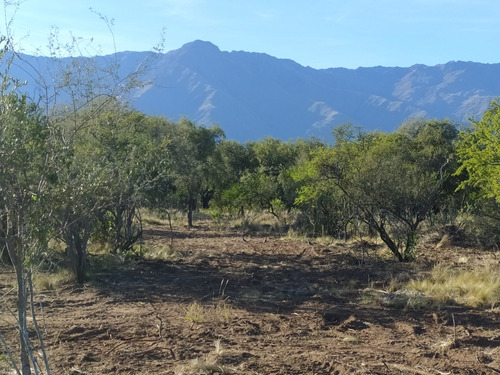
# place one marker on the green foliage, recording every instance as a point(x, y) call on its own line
point(478, 151)
point(29, 162)
point(323, 204)
point(390, 181)
point(268, 184)
point(274, 156)
point(191, 148)
point(481, 223)
point(479, 154)
point(260, 178)
point(229, 162)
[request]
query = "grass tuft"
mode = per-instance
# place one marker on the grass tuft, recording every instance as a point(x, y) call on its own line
point(195, 313)
point(218, 312)
point(207, 366)
point(472, 288)
point(51, 281)
point(210, 364)
point(164, 252)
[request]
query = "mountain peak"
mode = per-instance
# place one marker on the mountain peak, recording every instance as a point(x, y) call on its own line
point(201, 46)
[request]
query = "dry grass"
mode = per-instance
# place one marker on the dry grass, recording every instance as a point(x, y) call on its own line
point(478, 287)
point(217, 312)
point(150, 218)
point(210, 364)
point(400, 299)
point(162, 251)
point(256, 222)
point(51, 281)
point(177, 218)
point(473, 288)
point(445, 242)
point(351, 339)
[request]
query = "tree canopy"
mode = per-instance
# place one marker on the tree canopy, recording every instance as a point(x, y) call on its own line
point(479, 154)
point(392, 181)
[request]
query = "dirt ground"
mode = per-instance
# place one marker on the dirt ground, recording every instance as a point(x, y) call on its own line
point(225, 302)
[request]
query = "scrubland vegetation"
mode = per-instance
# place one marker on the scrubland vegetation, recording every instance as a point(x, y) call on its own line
point(81, 183)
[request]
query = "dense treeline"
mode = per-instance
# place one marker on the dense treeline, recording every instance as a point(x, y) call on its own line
point(91, 182)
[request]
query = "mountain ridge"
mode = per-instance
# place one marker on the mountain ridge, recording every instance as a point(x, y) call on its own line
point(253, 95)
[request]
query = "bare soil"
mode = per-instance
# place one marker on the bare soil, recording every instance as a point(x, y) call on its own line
point(241, 304)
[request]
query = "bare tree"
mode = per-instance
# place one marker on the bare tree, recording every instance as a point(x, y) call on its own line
point(37, 132)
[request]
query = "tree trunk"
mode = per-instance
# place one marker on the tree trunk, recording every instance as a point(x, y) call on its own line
point(76, 239)
point(132, 230)
point(4, 254)
point(384, 236)
point(206, 198)
point(14, 248)
point(22, 305)
point(115, 238)
point(411, 243)
point(191, 203)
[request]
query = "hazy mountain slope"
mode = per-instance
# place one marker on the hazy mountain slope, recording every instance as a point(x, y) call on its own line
point(253, 95)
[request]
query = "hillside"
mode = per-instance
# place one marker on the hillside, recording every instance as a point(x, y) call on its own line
point(253, 95)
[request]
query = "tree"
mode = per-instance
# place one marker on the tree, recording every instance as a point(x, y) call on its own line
point(479, 154)
point(29, 163)
point(29, 155)
point(229, 162)
point(36, 156)
point(81, 195)
point(274, 155)
point(119, 162)
point(191, 148)
point(132, 152)
point(260, 192)
point(267, 183)
point(393, 180)
point(322, 204)
point(76, 98)
point(276, 159)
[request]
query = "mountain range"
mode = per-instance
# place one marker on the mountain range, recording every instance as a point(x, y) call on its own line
point(254, 95)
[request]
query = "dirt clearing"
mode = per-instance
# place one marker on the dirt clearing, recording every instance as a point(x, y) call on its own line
point(223, 302)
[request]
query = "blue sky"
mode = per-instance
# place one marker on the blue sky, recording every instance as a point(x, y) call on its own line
point(316, 33)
